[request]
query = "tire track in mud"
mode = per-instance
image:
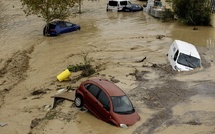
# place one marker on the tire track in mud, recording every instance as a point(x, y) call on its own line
point(14, 71)
point(162, 98)
point(165, 94)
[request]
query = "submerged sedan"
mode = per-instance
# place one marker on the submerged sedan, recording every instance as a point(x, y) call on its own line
point(56, 28)
point(132, 8)
point(107, 102)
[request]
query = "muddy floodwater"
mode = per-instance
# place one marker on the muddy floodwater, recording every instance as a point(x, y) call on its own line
point(168, 102)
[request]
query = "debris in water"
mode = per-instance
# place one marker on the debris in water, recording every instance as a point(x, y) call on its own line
point(3, 124)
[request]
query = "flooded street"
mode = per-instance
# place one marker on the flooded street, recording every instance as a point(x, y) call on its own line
point(167, 101)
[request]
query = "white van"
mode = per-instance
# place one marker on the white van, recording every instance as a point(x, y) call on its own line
point(117, 5)
point(183, 56)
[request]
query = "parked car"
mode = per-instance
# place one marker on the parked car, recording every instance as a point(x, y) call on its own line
point(183, 56)
point(107, 102)
point(132, 8)
point(55, 28)
point(123, 5)
point(117, 5)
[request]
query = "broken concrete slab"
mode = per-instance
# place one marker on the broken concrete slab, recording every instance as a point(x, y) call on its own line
point(63, 94)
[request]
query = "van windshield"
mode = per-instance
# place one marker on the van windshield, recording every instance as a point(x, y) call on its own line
point(188, 60)
point(122, 105)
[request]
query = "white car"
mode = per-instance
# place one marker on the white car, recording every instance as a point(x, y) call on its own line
point(183, 56)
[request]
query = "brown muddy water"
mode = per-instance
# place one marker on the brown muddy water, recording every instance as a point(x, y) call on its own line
point(167, 101)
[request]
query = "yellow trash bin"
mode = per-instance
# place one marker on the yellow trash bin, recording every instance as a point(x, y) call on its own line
point(64, 75)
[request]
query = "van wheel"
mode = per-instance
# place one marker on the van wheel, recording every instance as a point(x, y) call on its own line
point(78, 101)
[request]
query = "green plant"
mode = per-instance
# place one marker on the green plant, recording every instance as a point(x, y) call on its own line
point(193, 12)
point(75, 68)
point(48, 9)
point(86, 67)
point(168, 15)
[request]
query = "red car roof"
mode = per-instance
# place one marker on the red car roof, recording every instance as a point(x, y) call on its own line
point(109, 87)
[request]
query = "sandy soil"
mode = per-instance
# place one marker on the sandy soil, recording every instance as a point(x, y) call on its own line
point(167, 101)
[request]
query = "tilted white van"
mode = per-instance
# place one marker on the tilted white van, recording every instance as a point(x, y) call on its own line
point(183, 56)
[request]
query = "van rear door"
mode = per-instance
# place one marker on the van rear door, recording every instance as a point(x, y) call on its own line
point(112, 6)
point(117, 5)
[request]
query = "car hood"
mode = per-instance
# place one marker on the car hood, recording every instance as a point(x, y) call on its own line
point(76, 25)
point(128, 119)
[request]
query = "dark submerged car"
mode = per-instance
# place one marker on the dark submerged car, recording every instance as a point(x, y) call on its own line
point(56, 28)
point(107, 102)
point(132, 8)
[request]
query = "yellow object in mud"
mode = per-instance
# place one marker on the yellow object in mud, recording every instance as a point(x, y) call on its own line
point(64, 75)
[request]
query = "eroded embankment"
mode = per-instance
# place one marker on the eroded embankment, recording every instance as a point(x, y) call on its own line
point(14, 71)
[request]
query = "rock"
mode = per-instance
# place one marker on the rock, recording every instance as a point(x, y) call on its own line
point(115, 80)
point(34, 123)
point(37, 92)
point(195, 28)
point(160, 36)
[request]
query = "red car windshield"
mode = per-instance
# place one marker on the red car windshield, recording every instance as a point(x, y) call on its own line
point(122, 105)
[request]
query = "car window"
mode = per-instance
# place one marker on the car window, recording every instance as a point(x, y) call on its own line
point(93, 89)
point(87, 85)
point(188, 60)
point(158, 3)
point(103, 99)
point(52, 26)
point(123, 3)
point(62, 25)
point(113, 3)
point(68, 24)
point(121, 104)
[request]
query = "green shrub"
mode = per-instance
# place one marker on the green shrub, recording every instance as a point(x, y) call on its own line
point(86, 67)
point(193, 12)
point(168, 15)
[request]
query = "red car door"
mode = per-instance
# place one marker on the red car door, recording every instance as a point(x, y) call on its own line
point(103, 106)
point(97, 102)
point(90, 101)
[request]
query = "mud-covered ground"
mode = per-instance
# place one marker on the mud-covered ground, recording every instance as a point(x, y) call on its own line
point(167, 101)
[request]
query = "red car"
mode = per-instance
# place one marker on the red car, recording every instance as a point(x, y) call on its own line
point(107, 102)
